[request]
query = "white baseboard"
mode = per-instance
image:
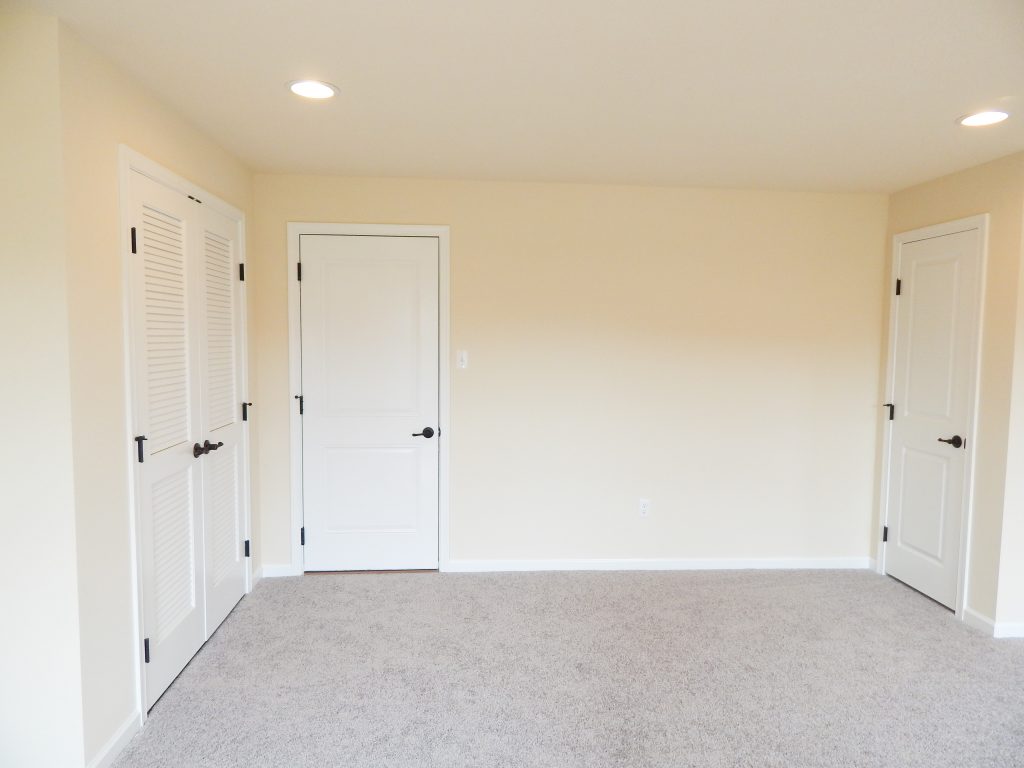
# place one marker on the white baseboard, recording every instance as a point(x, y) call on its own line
point(978, 621)
point(274, 570)
point(644, 564)
point(1009, 629)
point(109, 751)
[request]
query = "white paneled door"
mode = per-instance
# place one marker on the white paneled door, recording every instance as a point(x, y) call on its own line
point(369, 309)
point(190, 453)
point(933, 373)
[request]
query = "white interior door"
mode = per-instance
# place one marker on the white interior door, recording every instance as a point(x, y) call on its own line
point(166, 396)
point(933, 370)
point(369, 309)
point(222, 374)
point(188, 377)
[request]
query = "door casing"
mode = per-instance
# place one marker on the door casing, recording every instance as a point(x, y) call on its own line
point(981, 223)
point(130, 162)
point(295, 230)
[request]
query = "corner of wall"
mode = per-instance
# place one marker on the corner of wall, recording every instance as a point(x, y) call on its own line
point(41, 713)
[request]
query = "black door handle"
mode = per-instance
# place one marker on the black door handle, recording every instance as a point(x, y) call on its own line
point(427, 432)
point(201, 450)
point(956, 441)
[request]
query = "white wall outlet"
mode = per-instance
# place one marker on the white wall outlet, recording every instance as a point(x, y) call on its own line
point(462, 359)
point(645, 507)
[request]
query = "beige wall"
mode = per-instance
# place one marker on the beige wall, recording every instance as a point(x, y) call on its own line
point(715, 351)
point(102, 108)
point(1010, 607)
point(40, 691)
point(995, 188)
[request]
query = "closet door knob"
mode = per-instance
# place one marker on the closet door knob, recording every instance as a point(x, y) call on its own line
point(427, 432)
point(201, 450)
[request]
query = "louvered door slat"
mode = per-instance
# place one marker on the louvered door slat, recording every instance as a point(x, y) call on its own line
point(173, 552)
point(224, 536)
point(165, 281)
point(222, 408)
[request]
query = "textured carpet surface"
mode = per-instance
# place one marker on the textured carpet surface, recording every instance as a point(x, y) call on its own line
point(758, 669)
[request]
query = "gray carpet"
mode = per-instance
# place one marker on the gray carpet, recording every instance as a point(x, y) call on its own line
point(758, 669)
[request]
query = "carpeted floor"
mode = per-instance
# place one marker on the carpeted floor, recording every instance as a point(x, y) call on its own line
point(565, 670)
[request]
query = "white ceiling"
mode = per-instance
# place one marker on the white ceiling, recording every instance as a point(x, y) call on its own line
point(804, 94)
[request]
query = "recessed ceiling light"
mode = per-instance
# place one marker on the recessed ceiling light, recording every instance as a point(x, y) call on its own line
point(983, 118)
point(312, 89)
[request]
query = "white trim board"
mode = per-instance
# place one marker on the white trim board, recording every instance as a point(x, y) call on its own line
point(996, 629)
point(978, 621)
point(653, 564)
point(1007, 629)
point(109, 752)
point(279, 570)
point(631, 564)
point(295, 230)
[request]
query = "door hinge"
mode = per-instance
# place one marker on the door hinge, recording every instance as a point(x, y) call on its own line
point(145, 649)
point(247, 548)
point(245, 411)
point(133, 240)
point(899, 286)
point(302, 403)
point(299, 270)
point(138, 442)
point(885, 533)
point(302, 535)
point(892, 410)
point(241, 272)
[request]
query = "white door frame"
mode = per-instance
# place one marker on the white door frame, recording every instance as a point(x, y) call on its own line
point(295, 230)
point(129, 162)
point(981, 223)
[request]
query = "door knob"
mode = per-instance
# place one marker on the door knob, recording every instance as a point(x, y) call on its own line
point(956, 441)
point(201, 450)
point(427, 432)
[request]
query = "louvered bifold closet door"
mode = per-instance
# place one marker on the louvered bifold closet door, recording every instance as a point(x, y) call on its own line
point(223, 468)
point(166, 390)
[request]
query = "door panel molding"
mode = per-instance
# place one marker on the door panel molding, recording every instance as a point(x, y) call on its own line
point(295, 230)
point(979, 223)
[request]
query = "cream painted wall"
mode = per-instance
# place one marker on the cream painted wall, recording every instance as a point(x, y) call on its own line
point(40, 673)
point(996, 188)
point(714, 350)
point(1010, 605)
point(101, 108)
